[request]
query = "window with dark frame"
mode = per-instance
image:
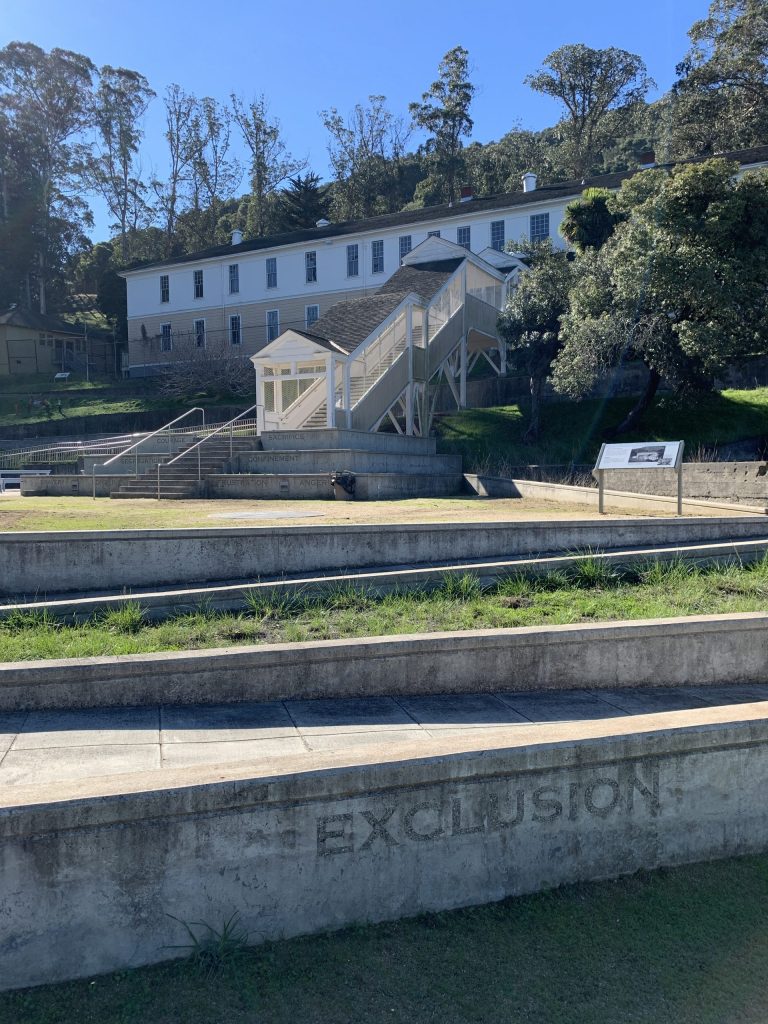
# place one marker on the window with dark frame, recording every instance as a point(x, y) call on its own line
point(198, 279)
point(311, 315)
point(271, 272)
point(165, 288)
point(405, 245)
point(273, 324)
point(497, 235)
point(234, 329)
point(433, 234)
point(377, 256)
point(234, 278)
point(539, 227)
point(200, 333)
point(353, 260)
point(310, 266)
point(166, 338)
point(463, 236)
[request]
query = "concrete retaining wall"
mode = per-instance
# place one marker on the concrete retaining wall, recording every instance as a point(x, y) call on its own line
point(57, 562)
point(61, 485)
point(327, 461)
point(361, 440)
point(664, 652)
point(727, 481)
point(504, 487)
point(368, 486)
point(301, 845)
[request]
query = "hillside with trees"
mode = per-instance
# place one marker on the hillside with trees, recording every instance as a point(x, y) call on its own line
point(70, 131)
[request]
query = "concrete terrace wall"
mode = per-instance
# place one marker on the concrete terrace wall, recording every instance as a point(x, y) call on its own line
point(666, 652)
point(87, 885)
point(57, 562)
point(729, 481)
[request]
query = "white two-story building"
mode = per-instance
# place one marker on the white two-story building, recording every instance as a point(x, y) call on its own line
point(243, 296)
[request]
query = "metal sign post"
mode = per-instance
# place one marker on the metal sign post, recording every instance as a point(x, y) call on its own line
point(679, 468)
point(600, 483)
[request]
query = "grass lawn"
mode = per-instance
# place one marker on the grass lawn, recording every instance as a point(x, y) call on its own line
point(33, 513)
point(683, 946)
point(589, 592)
point(572, 431)
point(90, 398)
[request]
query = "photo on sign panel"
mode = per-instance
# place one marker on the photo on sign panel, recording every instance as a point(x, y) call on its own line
point(650, 453)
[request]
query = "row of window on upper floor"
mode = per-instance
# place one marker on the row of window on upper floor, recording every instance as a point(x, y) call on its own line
point(539, 231)
point(235, 331)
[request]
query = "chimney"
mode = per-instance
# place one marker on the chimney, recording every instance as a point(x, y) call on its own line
point(237, 237)
point(529, 182)
point(647, 160)
point(466, 194)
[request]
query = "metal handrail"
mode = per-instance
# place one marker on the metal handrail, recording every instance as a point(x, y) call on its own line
point(51, 452)
point(135, 447)
point(198, 444)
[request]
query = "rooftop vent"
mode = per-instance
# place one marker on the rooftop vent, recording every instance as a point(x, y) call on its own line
point(647, 159)
point(529, 182)
point(237, 237)
point(322, 223)
point(466, 194)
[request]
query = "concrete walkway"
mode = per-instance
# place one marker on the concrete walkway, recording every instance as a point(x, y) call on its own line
point(42, 748)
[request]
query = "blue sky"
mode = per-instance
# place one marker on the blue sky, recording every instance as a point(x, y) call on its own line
point(339, 52)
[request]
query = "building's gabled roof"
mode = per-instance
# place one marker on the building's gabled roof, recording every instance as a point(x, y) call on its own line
point(543, 193)
point(504, 262)
point(423, 278)
point(16, 316)
point(347, 324)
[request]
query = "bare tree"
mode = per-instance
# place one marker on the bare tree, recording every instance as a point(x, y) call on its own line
point(215, 367)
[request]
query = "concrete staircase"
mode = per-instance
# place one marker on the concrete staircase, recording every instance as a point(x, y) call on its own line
point(300, 464)
point(181, 479)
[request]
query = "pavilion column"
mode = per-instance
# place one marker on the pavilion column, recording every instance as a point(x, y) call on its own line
point(330, 377)
point(259, 400)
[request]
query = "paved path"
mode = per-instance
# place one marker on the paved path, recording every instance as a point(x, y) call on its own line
point(46, 747)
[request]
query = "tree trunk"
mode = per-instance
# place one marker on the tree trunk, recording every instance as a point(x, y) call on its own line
point(642, 404)
point(534, 424)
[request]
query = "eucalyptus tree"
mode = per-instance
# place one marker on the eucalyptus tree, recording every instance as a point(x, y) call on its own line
point(171, 193)
point(271, 162)
point(215, 172)
point(112, 166)
point(367, 152)
point(443, 113)
point(46, 101)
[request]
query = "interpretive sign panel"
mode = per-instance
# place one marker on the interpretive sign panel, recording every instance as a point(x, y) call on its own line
point(640, 455)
